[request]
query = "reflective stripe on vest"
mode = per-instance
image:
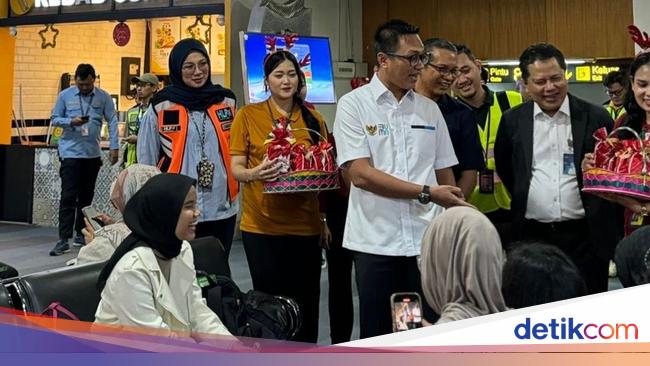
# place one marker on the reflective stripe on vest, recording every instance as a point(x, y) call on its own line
point(500, 198)
point(615, 113)
point(173, 124)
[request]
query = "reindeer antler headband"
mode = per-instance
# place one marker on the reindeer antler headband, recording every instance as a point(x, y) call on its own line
point(289, 42)
point(640, 38)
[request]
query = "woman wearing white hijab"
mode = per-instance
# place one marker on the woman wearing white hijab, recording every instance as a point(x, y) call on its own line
point(102, 243)
point(461, 265)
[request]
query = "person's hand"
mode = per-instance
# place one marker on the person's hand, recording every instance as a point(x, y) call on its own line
point(634, 205)
point(325, 236)
point(88, 232)
point(107, 220)
point(78, 121)
point(448, 196)
point(113, 156)
point(132, 139)
point(588, 162)
point(268, 170)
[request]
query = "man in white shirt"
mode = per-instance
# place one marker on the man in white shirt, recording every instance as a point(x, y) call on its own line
point(538, 151)
point(395, 148)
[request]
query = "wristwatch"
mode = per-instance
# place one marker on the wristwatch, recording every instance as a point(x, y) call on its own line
point(425, 196)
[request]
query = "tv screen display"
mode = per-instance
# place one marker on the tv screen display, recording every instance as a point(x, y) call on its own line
point(313, 53)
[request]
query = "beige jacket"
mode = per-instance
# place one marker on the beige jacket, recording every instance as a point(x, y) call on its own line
point(137, 294)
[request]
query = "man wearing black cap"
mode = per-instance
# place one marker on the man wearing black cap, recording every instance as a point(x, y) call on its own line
point(146, 87)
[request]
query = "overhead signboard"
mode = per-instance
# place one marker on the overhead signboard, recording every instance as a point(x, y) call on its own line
point(69, 11)
point(581, 73)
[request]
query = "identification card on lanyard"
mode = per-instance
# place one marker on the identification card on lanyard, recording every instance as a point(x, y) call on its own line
point(568, 165)
point(486, 175)
point(84, 115)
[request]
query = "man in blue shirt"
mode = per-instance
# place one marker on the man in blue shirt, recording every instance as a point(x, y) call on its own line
point(434, 82)
point(79, 111)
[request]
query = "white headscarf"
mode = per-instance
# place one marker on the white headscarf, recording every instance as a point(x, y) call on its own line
point(461, 265)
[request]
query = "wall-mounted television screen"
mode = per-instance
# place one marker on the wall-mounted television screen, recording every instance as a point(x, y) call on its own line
point(313, 54)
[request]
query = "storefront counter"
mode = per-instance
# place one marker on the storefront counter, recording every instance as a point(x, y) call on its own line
point(31, 186)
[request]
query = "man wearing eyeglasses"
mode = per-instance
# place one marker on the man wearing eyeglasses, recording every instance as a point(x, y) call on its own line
point(538, 151)
point(394, 146)
point(616, 86)
point(490, 195)
point(434, 83)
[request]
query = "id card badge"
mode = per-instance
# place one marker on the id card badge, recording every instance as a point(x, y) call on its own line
point(637, 220)
point(486, 181)
point(568, 166)
point(84, 130)
point(205, 170)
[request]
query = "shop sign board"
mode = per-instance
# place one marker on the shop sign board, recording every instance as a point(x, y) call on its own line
point(585, 73)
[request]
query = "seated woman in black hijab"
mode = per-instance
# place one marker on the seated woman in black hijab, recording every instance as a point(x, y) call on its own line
point(150, 280)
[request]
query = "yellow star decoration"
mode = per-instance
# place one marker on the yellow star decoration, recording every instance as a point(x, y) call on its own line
point(45, 34)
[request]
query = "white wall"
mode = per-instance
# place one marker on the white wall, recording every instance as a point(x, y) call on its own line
point(331, 19)
point(641, 10)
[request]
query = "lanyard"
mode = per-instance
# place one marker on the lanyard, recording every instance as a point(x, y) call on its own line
point(201, 133)
point(487, 136)
point(275, 121)
point(81, 105)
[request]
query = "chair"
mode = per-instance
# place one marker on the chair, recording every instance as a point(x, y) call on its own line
point(210, 256)
point(75, 287)
point(5, 298)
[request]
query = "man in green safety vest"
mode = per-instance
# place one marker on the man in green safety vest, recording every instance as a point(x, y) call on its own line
point(615, 84)
point(146, 87)
point(490, 195)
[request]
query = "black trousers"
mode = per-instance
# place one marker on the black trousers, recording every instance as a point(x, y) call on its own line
point(220, 229)
point(378, 277)
point(288, 265)
point(78, 177)
point(574, 239)
point(339, 272)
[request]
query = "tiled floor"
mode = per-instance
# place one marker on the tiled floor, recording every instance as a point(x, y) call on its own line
point(27, 248)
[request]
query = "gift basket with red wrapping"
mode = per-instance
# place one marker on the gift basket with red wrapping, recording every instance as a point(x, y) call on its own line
point(620, 165)
point(304, 169)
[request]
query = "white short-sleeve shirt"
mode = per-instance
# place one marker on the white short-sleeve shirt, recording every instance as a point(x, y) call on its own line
point(407, 139)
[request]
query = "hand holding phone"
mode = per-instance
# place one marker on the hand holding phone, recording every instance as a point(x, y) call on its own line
point(406, 309)
point(93, 217)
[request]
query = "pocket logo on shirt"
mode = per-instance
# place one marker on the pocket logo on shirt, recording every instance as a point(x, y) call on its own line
point(381, 129)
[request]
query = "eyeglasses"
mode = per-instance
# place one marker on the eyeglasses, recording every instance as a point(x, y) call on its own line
point(191, 68)
point(615, 93)
point(445, 71)
point(415, 59)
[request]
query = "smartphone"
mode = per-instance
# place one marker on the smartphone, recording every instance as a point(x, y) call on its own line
point(93, 217)
point(406, 309)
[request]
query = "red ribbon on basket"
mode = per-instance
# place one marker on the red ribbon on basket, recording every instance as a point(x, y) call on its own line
point(319, 157)
point(618, 156)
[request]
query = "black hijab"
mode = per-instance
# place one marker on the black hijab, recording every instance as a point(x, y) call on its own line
point(633, 258)
point(152, 214)
point(178, 92)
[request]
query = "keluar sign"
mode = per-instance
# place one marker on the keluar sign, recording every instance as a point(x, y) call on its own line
point(584, 73)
